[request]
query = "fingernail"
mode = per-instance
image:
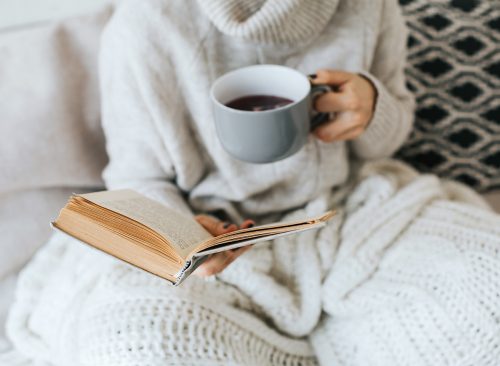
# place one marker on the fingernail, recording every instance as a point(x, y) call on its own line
point(226, 225)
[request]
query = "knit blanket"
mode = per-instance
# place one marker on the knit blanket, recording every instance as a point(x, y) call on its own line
point(407, 274)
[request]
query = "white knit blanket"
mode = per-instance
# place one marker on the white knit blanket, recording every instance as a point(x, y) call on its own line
point(408, 274)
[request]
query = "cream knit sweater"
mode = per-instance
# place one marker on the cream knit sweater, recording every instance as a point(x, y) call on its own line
point(159, 59)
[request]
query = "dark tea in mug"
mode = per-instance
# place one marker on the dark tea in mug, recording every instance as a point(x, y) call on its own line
point(257, 103)
point(263, 113)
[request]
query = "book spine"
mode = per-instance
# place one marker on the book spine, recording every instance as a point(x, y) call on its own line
point(189, 268)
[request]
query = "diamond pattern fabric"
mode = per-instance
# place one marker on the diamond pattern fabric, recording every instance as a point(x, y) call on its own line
point(454, 71)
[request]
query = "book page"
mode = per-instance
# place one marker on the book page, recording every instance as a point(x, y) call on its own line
point(254, 240)
point(182, 232)
point(268, 228)
point(263, 231)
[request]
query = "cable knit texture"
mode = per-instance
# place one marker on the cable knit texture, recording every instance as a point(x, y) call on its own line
point(406, 274)
point(157, 114)
point(271, 21)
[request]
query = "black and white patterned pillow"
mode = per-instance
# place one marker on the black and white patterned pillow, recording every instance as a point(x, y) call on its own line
point(454, 71)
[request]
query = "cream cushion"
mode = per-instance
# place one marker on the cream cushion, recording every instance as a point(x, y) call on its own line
point(51, 143)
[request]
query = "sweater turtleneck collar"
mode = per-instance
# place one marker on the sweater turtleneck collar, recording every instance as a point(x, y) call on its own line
point(270, 21)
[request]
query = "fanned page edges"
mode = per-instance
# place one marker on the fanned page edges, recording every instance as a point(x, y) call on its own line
point(119, 223)
point(262, 232)
point(168, 246)
point(95, 212)
point(181, 232)
point(136, 259)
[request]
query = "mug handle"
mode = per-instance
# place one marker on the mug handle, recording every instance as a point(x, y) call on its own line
point(318, 118)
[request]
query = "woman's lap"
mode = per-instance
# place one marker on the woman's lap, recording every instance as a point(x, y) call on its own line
point(75, 303)
point(430, 299)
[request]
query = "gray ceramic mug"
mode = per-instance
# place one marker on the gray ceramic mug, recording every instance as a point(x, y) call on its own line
point(269, 135)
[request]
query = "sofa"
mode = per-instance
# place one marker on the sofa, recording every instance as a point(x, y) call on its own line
point(453, 69)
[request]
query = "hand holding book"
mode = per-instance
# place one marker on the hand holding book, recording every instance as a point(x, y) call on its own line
point(158, 239)
point(217, 262)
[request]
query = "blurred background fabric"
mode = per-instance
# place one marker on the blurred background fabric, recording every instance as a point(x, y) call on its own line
point(51, 142)
point(23, 12)
point(454, 72)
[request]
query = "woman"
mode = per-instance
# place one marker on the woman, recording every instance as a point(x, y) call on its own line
point(381, 285)
point(173, 149)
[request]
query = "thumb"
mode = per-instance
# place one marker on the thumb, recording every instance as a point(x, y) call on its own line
point(215, 226)
point(331, 77)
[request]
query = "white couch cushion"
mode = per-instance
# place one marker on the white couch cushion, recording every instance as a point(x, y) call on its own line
point(51, 134)
point(51, 142)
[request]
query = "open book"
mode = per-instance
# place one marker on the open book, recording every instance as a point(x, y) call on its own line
point(151, 236)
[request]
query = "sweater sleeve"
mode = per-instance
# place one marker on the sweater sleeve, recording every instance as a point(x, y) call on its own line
point(393, 115)
point(138, 157)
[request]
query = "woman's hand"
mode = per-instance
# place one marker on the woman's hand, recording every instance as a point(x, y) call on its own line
point(218, 261)
point(352, 101)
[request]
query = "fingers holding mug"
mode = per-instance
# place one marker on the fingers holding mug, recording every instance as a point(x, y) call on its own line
point(330, 77)
point(345, 126)
point(332, 102)
point(352, 99)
